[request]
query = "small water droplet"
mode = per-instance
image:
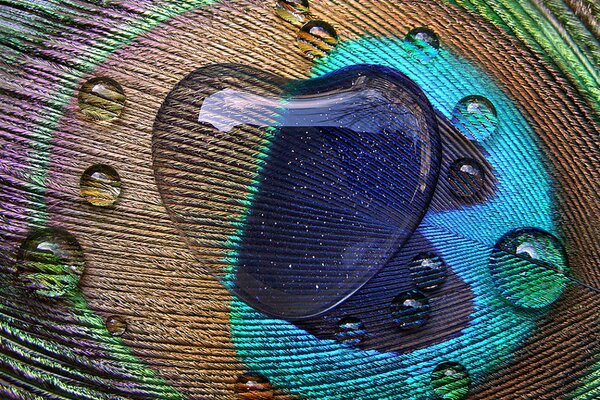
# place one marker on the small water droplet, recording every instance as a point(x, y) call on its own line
point(116, 325)
point(428, 271)
point(100, 185)
point(450, 381)
point(50, 262)
point(423, 43)
point(101, 99)
point(466, 178)
point(475, 117)
point(253, 386)
point(528, 267)
point(294, 11)
point(351, 331)
point(317, 38)
point(410, 309)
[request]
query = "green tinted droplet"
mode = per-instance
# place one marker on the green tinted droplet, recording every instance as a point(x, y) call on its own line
point(101, 99)
point(350, 331)
point(50, 262)
point(253, 386)
point(294, 11)
point(410, 309)
point(116, 325)
point(466, 178)
point(529, 268)
point(100, 185)
point(428, 271)
point(422, 43)
point(317, 38)
point(475, 117)
point(450, 381)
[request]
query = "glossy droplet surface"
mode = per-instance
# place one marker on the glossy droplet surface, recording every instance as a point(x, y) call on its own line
point(253, 386)
point(410, 310)
point(116, 325)
point(529, 268)
point(350, 331)
point(50, 262)
point(475, 117)
point(294, 11)
point(100, 185)
point(428, 271)
point(466, 178)
point(101, 99)
point(423, 43)
point(450, 381)
point(317, 38)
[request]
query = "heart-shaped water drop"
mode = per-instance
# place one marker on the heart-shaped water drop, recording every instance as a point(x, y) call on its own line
point(295, 193)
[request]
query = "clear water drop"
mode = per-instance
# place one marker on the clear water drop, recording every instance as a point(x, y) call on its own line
point(116, 325)
point(317, 38)
point(529, 268)
point(100, 185)
point(101, 99)
point(410, 309)
point(351, 331)
point(50, 262)
point(466, 178)
point(450, 381)
point(475, 117)
point(422, 43)
point(428, 271)
point(294, 11)
point(253, 386)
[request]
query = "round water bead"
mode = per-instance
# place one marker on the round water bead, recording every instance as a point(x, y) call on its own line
point(253, 386)
point(317, 38)
point(475, 117)
point(116, 325)
point(450, 381)
point(428, 271)
point(294, 11)
point(101, 99)
point(423, 43)
point(466, 178)
point(50, 262)
point(410, 309)
point(100, 185)
point(350, 331)
point(529, 267)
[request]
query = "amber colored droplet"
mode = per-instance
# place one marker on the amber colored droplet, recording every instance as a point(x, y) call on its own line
point(317, 38)
point(294, 11)
point(116, 325)
point(101, 99)
point(253, 386)
point(100, 185)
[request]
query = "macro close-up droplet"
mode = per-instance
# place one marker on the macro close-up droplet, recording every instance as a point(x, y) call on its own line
point(293, 11)
point(410, 310)
point(350, 331)
point(100, 185)
point(475, 116)
point(428, 271)
point(450, 381)
point(116, 325)
point(50, 262)
point(466, 178)
point(317, 38)
point(253, 386)
point(101, 99)
point(529, 268)
point(424, 43)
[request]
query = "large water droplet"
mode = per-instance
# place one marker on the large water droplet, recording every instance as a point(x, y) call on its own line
point(317, 38)
point(101, 99)
point(450, 381)
point(529, 267)
point(116, 325)
point(475, 117)
point(466, 178)
point(350, 331)
point(50, 262)
point(410, 309)
point(294, 11)
point(253, 386)
point(428, 271)
point(100, 185)
point(422, 43)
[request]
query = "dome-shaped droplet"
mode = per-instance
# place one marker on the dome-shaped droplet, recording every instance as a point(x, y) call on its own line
point(422, 43)
point(116, 325)
point(428, 271)
point(100, 185)
point(475, 117)
point(529, 267)
point(350, 331)
point(253, 386)
point(466, 178)
point(294, 11)
point(101, 99)
point(317, 38)
point(410, 309)
point(50, 262)
point(450, 381)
